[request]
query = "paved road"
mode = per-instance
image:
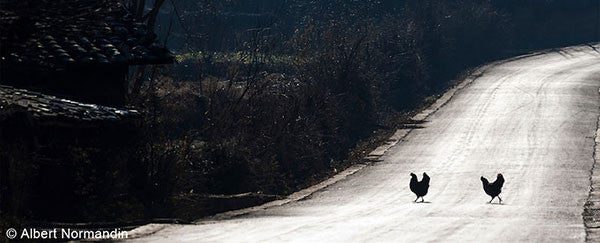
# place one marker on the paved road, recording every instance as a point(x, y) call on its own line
point(531, 118)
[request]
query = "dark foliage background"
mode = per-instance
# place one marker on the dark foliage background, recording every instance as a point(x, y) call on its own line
point(316, 77)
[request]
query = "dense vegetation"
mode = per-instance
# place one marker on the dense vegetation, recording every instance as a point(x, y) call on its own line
point(271, 96)
point(290, 86)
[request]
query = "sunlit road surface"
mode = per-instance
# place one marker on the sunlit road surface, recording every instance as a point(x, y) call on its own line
point(531, 118)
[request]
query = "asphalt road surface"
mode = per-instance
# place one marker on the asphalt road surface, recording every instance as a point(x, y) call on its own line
point(531, 118)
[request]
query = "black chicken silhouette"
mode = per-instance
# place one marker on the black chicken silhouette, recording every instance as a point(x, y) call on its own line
point(493, 189)
point(419, 187)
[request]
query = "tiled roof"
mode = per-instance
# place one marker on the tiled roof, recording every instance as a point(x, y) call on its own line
point(46, 107)
point(63, 32)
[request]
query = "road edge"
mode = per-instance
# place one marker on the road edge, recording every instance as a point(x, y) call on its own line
point(591, 209)
point(378, 152)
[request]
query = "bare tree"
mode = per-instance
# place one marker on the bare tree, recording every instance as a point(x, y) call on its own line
point(144, 12)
